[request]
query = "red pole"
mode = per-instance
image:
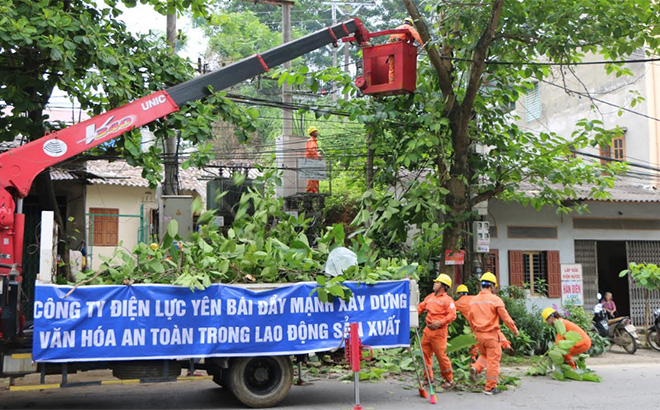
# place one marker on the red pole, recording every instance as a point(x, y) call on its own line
point(355, 355)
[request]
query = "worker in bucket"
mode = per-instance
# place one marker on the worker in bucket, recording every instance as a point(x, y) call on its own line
point(407, 25)
point(440, 312)
point(463, 307)
point(312, 152)
point(550, 316)
point(486, 310)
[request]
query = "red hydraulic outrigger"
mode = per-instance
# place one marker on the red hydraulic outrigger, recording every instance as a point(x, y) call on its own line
point(20, 166)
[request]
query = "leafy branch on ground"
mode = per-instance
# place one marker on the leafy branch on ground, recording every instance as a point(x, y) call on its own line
point(264, 244)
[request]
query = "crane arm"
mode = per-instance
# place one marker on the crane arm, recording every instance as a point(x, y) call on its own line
point(20, 166)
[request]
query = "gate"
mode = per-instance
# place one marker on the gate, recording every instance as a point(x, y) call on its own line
point(642, 252)
point(586, 254)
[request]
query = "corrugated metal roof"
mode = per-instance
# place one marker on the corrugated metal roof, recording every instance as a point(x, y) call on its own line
point(623, 191)
point(61, 174)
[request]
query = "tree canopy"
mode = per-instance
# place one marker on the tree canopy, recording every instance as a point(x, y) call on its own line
point(454, 143)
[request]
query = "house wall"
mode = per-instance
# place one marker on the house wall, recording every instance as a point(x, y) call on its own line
point(506, 214)
point(128, 200)
point(560, 111)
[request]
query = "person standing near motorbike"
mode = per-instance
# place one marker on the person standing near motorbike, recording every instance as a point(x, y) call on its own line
point(550, 316)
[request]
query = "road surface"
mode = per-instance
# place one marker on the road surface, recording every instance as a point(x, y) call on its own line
point(628, 385)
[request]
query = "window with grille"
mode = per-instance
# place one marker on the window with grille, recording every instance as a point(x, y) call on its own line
point(535, 272)
point(104, 226)
point(533, 103)
point(538, 271)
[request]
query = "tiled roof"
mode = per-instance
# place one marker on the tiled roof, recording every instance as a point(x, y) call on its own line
point(119, 173)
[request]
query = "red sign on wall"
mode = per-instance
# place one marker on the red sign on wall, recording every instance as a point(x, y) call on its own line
point(454, 257)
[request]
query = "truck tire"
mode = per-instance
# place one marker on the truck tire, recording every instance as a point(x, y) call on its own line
point(261, 381)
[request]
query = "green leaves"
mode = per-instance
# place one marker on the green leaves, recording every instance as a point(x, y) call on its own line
point(461, 342)
point(264, 244)
point(645, 274)
point(560, 327)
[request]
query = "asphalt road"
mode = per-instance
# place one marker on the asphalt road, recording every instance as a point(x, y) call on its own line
point(632, 386)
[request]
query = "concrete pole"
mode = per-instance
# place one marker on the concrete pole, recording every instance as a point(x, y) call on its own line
point(171, 163)
point(287, 146)
point(334, 52)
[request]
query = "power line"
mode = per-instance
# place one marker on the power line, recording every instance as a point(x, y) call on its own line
point(535, 63)
point(631, 164)
point(601, 101)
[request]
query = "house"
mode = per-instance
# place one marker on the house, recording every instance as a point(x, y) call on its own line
point(529, 247)
point(115, 204)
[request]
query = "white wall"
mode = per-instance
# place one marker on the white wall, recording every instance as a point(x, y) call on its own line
point(560, 111)
point(128, 200)
point(503, 214)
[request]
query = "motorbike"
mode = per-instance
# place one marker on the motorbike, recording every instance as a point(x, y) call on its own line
point(619, 331)
point(653, 332)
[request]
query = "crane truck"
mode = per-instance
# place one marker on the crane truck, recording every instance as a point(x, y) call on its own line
point(252, 358)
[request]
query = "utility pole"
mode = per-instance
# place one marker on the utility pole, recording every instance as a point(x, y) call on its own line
point(336, 7)
point(171, 181)
point(287, 144)
point(348, 13)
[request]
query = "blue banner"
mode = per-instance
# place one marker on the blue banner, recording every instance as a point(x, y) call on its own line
point(164, 321)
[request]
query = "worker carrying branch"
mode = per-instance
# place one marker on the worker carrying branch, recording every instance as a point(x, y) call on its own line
point(407, 25)
point(550, 316)
point(440, 312)
point(463, 306)
point(486, 310)
point(312, 152)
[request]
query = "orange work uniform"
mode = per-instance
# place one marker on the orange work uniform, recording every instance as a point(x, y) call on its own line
point(484, 316)
point(463, 306)
point(312, 152)
point(434, 341)
point(401, 37)
point(580, 347)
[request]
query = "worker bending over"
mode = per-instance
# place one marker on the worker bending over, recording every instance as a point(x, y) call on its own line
point(486, 310)
point(440, 312)
point(550, 315)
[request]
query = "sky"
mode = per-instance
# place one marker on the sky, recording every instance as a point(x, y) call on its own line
point(142, 18)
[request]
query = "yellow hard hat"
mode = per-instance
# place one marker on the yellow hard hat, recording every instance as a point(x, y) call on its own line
point(443, 278)
point(462, 289)
point(547, 312)
point(409, 21)
point(310, 130)
point(489, 277)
